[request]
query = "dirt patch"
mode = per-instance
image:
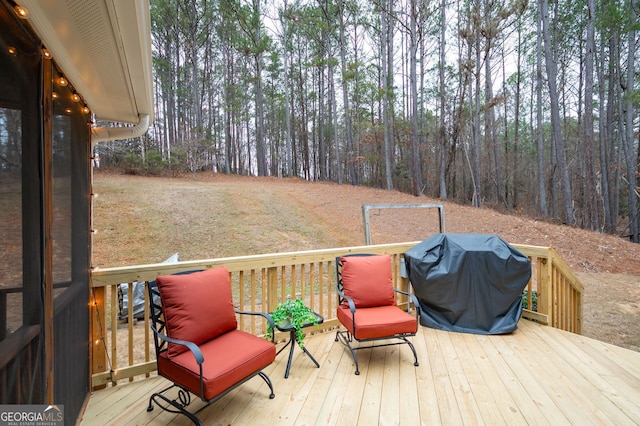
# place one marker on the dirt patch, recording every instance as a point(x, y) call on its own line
point(144, 220)
point(612, 308)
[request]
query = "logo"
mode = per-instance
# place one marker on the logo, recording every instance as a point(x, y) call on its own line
point(31, 415)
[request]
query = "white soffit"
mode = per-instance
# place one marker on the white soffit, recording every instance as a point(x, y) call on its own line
point(104, 49)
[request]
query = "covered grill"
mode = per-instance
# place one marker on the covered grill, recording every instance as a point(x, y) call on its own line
point(468, 283)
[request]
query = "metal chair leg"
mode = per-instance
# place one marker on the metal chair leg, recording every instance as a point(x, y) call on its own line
point(340, 335)
point(268, 380)
point(415, 355)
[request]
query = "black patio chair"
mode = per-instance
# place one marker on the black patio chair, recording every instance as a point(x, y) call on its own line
point(367, 305)
point(198, 345)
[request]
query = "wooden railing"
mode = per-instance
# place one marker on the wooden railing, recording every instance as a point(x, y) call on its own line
point(557, 288)
point(123, 351)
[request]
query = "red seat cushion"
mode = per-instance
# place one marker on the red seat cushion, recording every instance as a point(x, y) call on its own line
point(373, 323)
point(228, 359)
point(367, 280)
point(197, 307)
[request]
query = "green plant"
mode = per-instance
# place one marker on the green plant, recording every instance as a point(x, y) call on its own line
point(132, 164)
point(296, 314)
point(534, 300)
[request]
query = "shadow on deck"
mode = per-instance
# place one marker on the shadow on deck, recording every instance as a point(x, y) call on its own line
point(537, 374)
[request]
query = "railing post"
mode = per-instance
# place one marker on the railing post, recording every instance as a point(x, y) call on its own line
point(272, 289)
point(545, 290)
point(401, 277)
point(578, 303)
point(98, 318)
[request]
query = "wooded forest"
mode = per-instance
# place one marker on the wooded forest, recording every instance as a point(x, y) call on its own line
point(528, 106)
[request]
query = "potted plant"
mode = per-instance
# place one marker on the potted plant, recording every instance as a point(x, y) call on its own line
point(292, 313)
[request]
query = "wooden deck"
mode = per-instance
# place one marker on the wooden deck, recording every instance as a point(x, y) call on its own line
point(537, 375)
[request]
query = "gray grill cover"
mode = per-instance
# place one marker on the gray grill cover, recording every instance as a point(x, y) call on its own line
point(468, 283)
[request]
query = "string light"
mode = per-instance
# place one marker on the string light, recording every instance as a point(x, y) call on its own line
point(101, 338)
point(75, 97)
point(67, 110)
point(46, 54)
point(86, 109)
point(22, 12)
point(12, 50)
point(62, 81)
point(54, 95)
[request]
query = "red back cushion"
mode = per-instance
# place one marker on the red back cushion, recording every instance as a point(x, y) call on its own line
point(197, 307)
point(367, 280)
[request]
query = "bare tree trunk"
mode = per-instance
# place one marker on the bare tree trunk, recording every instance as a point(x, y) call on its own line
point(309, 172)
point(561, 159)
point(542, 191)
point(164, 136)
point(590, 193)
point(390, 92)
point(248, 169)
point(442, 130)
point(192, 54)
point(334, 121)
point(629, 152)
point(475, 128)
point(323, 153)
point(345, 100)
point(603, 135)
point(516, 136)
point(387, 77)
point(413, 91)
point(227, 84)
point(490, 122)
point(255, 27)
point(261, 156)
point(171, 103)
point(287, 112)
point(616, 117)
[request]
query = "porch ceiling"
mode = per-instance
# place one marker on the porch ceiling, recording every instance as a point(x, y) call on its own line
point(104, 48)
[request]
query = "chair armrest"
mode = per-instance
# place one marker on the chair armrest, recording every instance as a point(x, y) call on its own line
point(413, 298)
point(262, 314)
point(195, 350)
point(352, 306)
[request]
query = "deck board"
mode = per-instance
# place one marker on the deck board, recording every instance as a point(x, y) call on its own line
point(347, 399)
point(489, 390)
point(612, 382)
point(331, 374)
point(471, 377)
point(427, 395)
point(536, 375)
point(541, 388)
point(408, 390)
